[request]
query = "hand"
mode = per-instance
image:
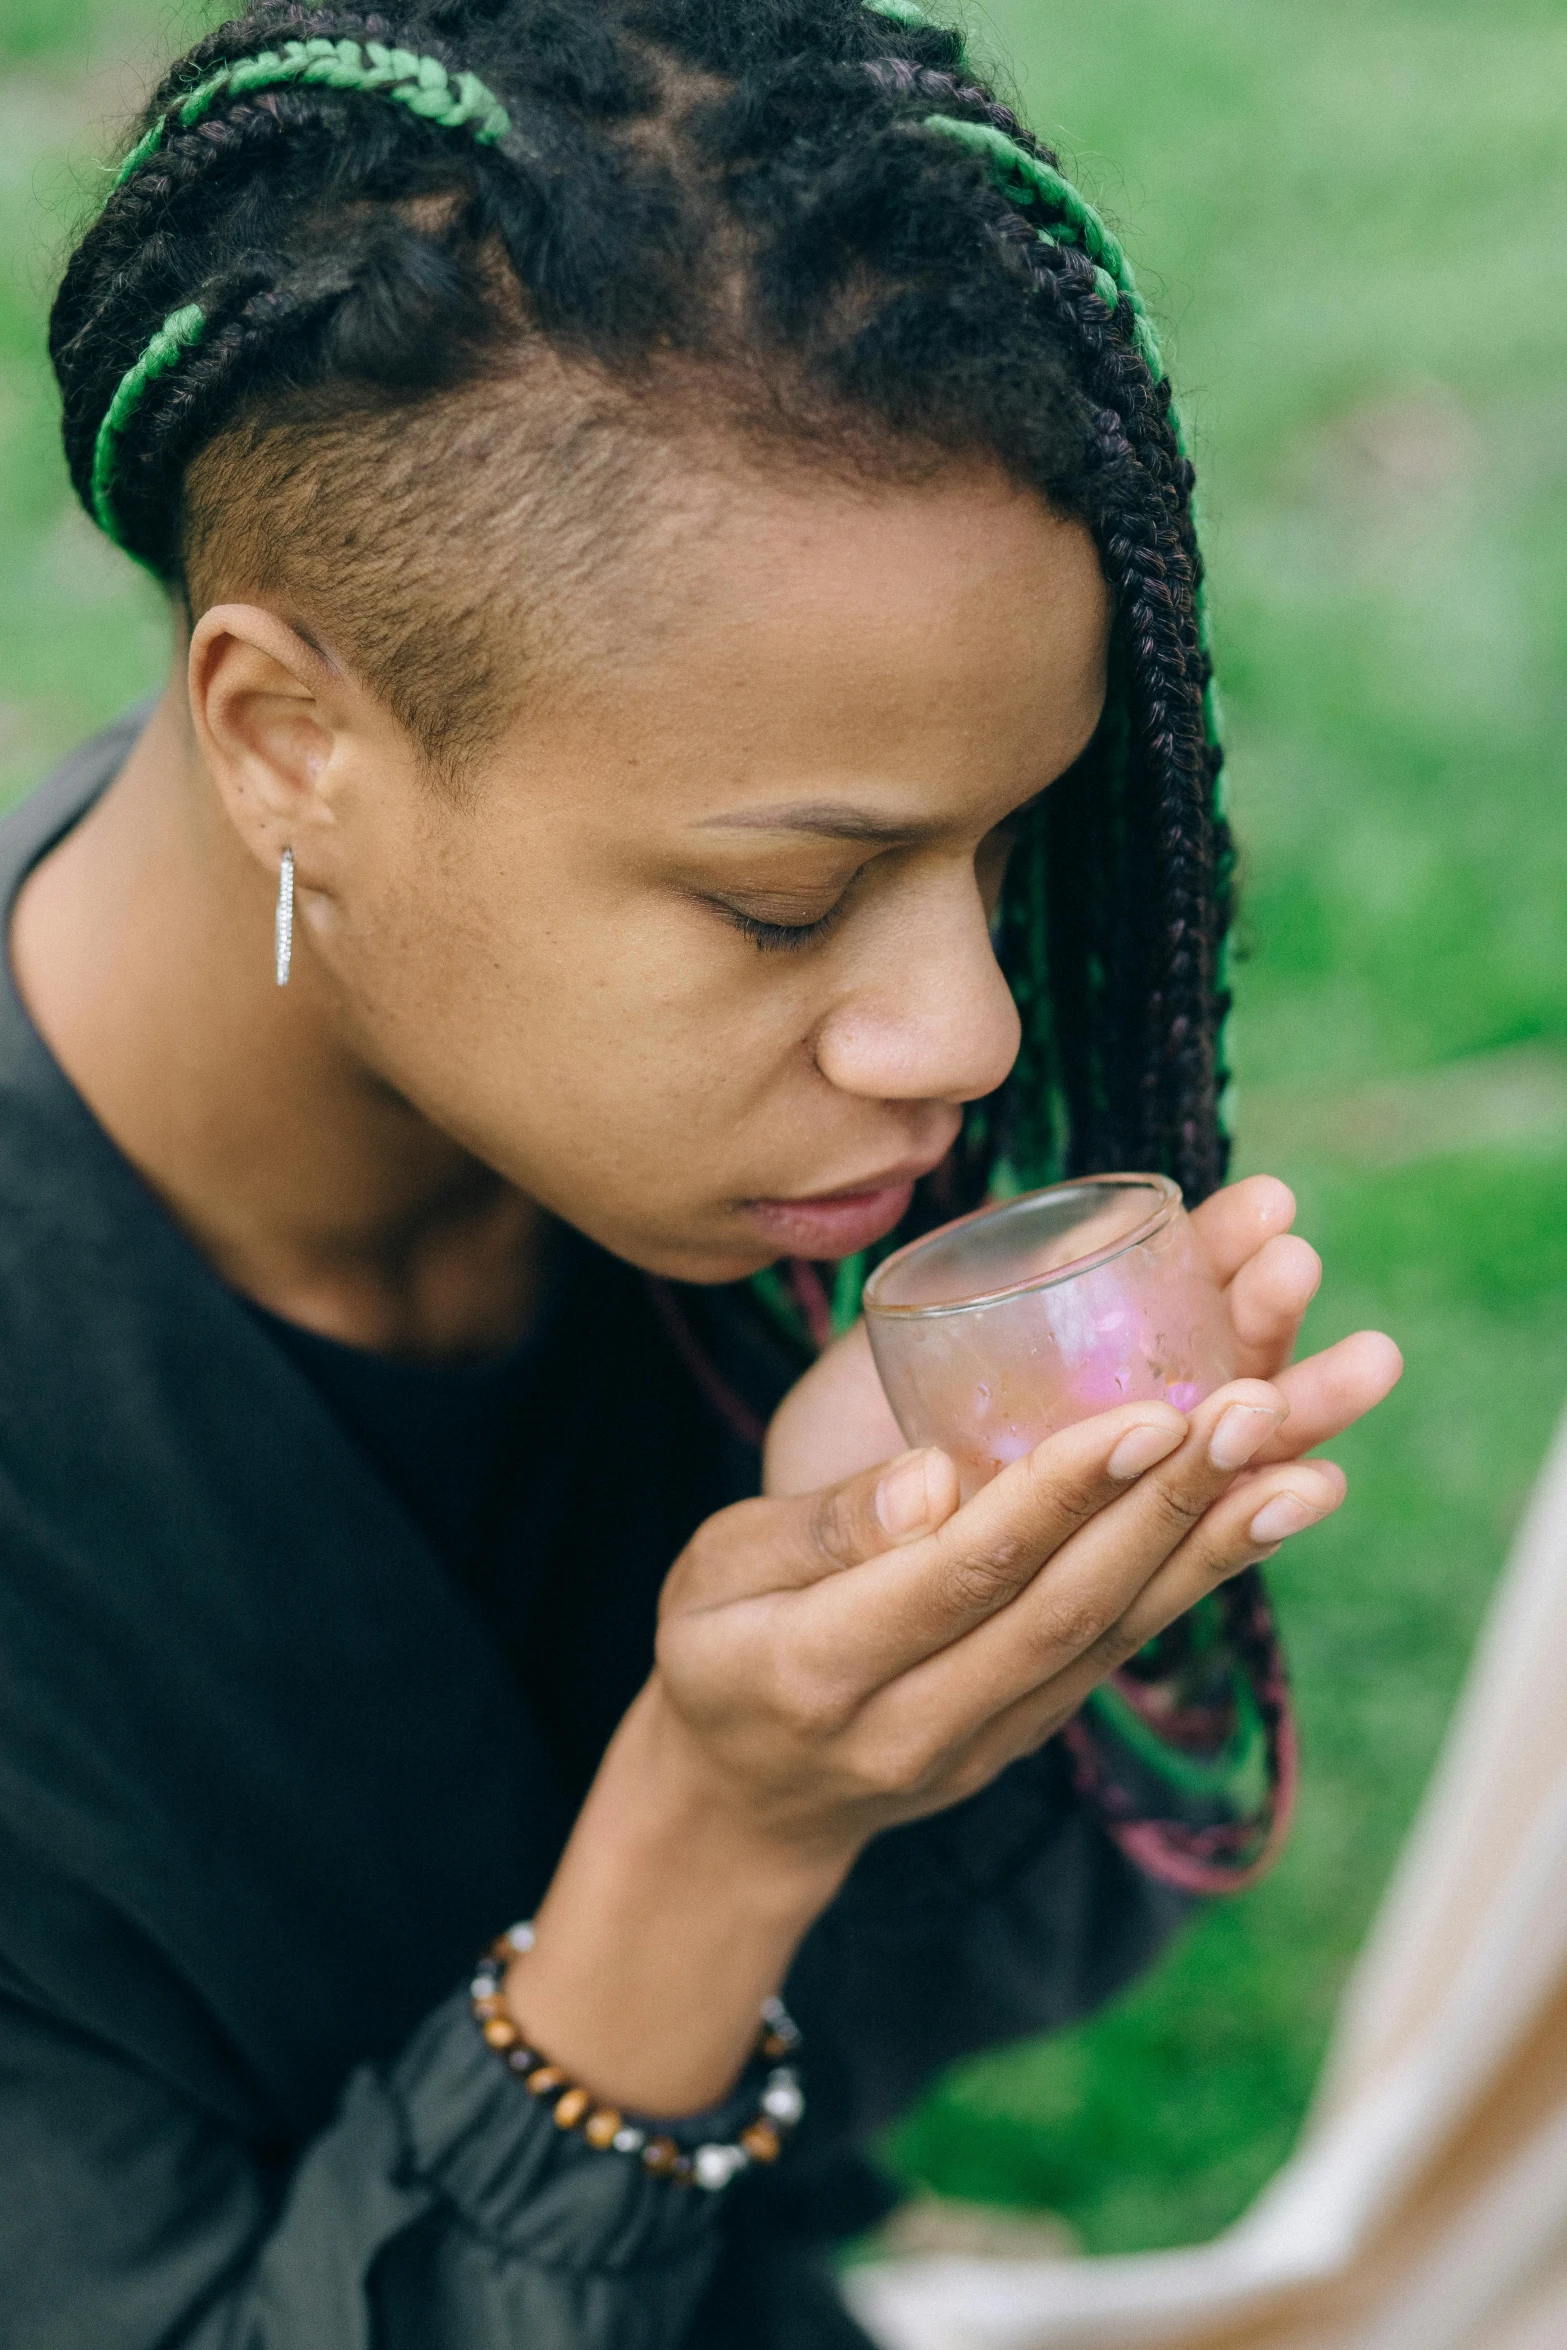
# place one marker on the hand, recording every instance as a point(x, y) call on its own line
point(829, 1665)
point(877, 1651)
point(836, 1421)
point(1269, 1276)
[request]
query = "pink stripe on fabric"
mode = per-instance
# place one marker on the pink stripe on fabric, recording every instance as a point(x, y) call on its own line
point(732, 1409)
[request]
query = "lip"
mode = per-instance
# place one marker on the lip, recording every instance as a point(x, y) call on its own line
point(837, 1223)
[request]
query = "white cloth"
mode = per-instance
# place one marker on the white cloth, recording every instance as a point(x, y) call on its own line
point(1426, 2205)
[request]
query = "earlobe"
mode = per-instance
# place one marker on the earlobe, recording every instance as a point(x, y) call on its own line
point(265, 708)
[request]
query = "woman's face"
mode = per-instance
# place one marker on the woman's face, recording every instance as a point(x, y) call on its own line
point(701, 960)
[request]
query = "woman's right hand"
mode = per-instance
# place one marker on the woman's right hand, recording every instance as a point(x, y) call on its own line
point(843, 1661)
point(831, 1664)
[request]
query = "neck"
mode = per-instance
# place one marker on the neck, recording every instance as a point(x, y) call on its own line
point(142, 946)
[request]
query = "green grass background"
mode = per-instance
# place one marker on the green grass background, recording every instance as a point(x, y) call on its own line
point(1352, 217)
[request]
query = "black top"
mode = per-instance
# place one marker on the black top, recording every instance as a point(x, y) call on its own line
point(458, 1443)
point(272, 1769)
point(497, 1464)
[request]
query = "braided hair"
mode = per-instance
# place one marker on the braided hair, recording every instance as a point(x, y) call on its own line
point(337, 226)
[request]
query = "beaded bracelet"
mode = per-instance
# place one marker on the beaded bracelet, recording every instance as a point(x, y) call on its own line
point(779, 2106)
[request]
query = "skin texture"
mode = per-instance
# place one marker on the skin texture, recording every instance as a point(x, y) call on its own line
point(533, 998)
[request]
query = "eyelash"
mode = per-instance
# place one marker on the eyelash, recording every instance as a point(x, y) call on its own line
point(782, 937)
point(788, 938)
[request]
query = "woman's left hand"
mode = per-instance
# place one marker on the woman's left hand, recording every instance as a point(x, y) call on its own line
point(836, 1420)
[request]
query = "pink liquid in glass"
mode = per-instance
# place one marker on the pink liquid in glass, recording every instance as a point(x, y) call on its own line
point(1015, 1321)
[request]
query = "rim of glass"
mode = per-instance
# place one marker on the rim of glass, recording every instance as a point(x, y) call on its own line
point(1167, 1200)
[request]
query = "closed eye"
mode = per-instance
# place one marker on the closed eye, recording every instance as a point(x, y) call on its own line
point(781, 937)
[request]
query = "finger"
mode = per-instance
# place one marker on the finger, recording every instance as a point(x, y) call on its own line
point(1329, 1392)
point(916, 1599)
point(787, 1544)
point(1248, 1524)
point(1245, 1525)
point(1068, 1608)
point(1268, 1299)
point(1235, 1223)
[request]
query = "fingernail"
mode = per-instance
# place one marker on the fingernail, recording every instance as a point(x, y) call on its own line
point(1285, 1514)
point(1140, 1447)
point(1243, 1428)
point(903, 1497)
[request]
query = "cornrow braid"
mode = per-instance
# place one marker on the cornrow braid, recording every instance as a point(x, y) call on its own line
point(178, 331)
point(1026, 177)
point(422, 84)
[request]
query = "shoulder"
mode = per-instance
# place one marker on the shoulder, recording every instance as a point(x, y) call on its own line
point(65, 793)
point(52, 1152)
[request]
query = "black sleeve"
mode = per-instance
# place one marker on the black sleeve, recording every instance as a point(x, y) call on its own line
point(1012, 1913)
point(440, 2210)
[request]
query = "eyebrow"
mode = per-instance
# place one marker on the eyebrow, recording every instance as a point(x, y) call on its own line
point(827, 819)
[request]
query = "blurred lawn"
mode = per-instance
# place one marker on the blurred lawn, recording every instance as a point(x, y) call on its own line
point(1353, 215)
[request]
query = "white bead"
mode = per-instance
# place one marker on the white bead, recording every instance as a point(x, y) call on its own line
point(485, 1986)
point(714, 2166)
point(628, 2140)
point(521, 1936)
point(783, 2100)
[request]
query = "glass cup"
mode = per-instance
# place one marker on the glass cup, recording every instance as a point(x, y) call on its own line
point(1023, 1317)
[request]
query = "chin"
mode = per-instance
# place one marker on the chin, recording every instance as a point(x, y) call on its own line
point(703, 1267)
point(726, 1251)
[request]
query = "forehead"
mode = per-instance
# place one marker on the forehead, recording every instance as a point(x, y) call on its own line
point(934, 651)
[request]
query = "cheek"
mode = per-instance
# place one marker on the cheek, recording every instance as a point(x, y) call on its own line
point(526, 1015)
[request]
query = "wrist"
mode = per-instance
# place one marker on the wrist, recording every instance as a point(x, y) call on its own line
point(658, 1773)
point(670, 1919)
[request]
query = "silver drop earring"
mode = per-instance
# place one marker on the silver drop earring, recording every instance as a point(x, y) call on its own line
point(283, 931)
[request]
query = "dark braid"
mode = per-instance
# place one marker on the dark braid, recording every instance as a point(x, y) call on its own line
point(336, 250)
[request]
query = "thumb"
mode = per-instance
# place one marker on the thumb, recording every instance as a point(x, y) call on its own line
point(788, 1544)
point(872, 1513)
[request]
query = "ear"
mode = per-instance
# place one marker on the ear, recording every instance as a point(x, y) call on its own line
point(272, 716)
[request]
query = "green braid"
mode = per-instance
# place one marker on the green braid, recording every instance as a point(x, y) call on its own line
point(178, 332)
point(1025, 179)
point(902, 12)
point(422, 84)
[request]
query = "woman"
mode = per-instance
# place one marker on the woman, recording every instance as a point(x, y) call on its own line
point(678, 543)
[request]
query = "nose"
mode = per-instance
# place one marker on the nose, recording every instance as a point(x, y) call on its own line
point(929, 1016)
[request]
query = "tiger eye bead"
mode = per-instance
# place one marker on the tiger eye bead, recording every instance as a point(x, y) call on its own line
point(761, 2141)
point(781, 2105)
